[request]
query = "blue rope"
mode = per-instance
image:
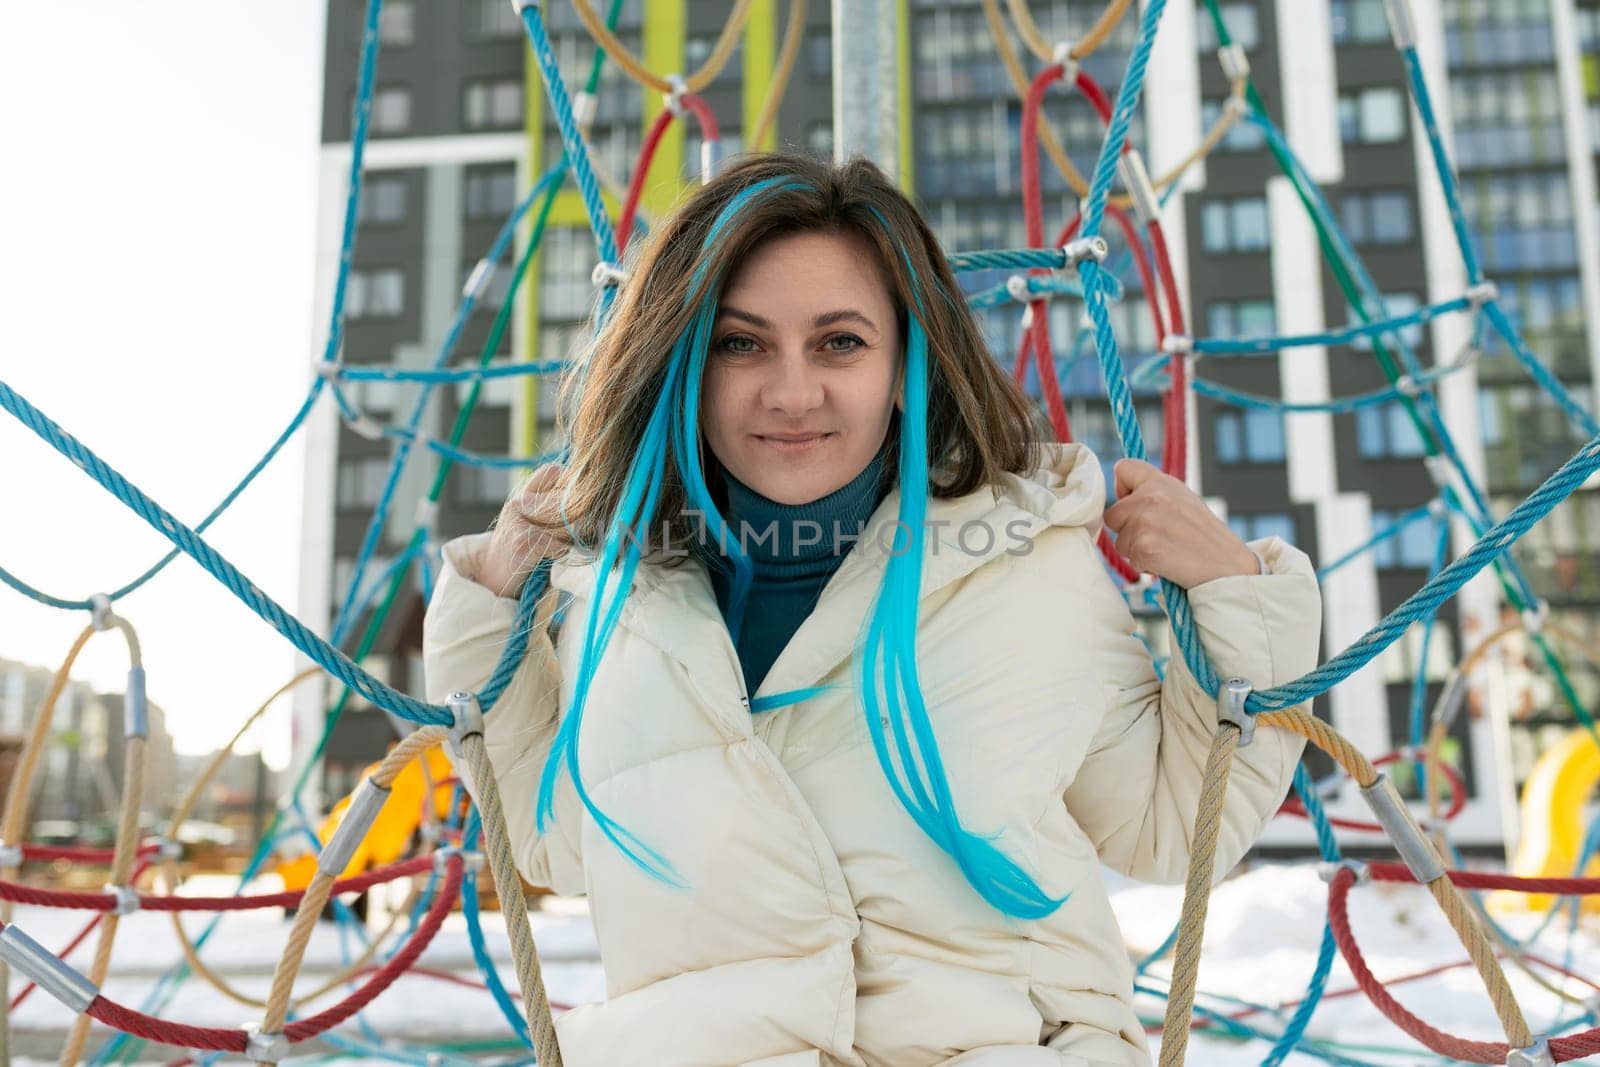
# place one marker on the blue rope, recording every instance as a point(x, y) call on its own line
point(84, 605)
point(480, 947)
point(1240, 346)
point(368, 373)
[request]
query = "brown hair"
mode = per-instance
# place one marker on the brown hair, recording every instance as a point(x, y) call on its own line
point(980, 424)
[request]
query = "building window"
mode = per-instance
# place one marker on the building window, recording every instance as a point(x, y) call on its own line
point(1413, 546)
point(1377, 218)
point(1359, 22)
point(1507, 117)
point(375, 294)
point(1249, 436)
point(1525, 435)
point(1394, 306)
point(1522, 221)
point(1241, 318)
point(492, 297)
point(391, 109)
point(397, 23)
point(1234, 225)
point(1243, 22)
point(492, 105)
point(1372, 116)
point(491, 191)
point(819, 56)
point(480, 486)
point(1386, 431)
point(1263, 524)
point(383, 199)
point(1242, 136)
point(565, 264)
point(819, 140)
point(361, 481)
point(491, 18)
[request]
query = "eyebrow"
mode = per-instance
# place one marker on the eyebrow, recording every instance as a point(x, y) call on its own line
point(827, 318)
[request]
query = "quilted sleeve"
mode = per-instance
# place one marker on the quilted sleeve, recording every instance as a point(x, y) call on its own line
point(463, 634)
point(1137, 789)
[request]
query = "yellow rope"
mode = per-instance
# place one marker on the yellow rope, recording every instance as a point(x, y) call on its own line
point(619, 53)
point(1029, 30)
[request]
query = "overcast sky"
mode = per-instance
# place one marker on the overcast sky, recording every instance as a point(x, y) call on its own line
point(157, 205)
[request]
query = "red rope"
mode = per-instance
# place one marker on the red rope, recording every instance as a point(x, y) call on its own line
point(80, 853)
point(61, 898)
point(88, 929)
point(216, 1039)
point(709, 131)
point(1563, 1048)
point(1398, 872)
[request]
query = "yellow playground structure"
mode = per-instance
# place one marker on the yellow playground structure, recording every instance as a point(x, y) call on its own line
point(1553, 823)
point(403, 813)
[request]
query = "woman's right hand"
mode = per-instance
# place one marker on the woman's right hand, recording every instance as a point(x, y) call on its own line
point(518, 543)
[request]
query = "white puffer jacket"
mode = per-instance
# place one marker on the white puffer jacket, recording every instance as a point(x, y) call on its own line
point(822, 927)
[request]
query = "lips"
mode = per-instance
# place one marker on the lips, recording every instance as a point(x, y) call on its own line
point(792, 438)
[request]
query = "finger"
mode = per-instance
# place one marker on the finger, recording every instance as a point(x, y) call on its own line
point(1130, 474)
point(1115, 516)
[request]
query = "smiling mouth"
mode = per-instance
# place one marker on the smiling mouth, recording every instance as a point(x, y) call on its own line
point(792, 443)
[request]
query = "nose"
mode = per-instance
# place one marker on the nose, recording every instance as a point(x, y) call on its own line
point(793, 386)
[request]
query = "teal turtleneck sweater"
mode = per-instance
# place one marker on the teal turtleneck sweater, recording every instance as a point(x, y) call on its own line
point(788, 575)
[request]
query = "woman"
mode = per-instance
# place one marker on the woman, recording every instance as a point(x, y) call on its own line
point(842, 800)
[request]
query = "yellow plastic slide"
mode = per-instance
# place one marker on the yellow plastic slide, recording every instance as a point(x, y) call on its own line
point(392, 831)
point(1553, 825)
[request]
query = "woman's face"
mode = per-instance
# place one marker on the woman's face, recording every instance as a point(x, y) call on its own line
point(805, 366)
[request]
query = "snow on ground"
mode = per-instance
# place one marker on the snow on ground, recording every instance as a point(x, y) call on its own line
point(1262, 933)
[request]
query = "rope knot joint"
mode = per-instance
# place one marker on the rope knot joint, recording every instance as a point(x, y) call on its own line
point(10, 855)
point(1235, 62)
point(1534, 618)
point(1063, 58)
point(1175, 343)
point(100, 612)
point(675, 95)
point(471, 860)
point(1481, 293)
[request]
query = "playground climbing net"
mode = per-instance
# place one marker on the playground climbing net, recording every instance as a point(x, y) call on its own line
point(1075, 264)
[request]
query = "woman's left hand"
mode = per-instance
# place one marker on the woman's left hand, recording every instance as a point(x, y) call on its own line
point(1164, 528)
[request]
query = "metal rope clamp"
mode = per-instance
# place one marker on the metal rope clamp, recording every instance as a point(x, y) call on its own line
point(127, 899)
point(1420, 857)
point(100, 612)
point(46, 970)
point(519, 6)
point(607, 274)
point(10, 856)
point(471, 859)
point(467, 718)
point(1230, 708)
point(1534, 618)
point(264, 1047)
point(1538, 1054)
point(1064, 59)
point(1075, 251)
point(1327, 870)
point(675, 95)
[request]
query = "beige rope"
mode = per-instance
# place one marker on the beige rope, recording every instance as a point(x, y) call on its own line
point(1029, 30)
point(793, 31)
point(125, 853)
point(173, 876)
point(513, 904)
point(1460, 916)
point(1197, 895)
point(321, 885)
point(19, 794)
point(620, 54)
point(1052, 145)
